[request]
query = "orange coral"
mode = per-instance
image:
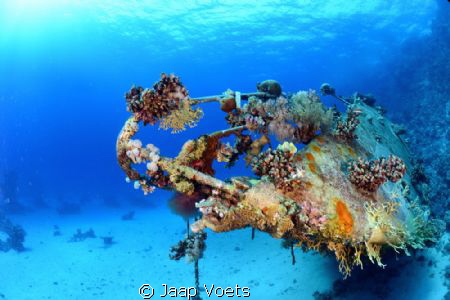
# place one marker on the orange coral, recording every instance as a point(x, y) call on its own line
point(312, 168)
point(345, 219)
point(309, 156)
point(316, 148)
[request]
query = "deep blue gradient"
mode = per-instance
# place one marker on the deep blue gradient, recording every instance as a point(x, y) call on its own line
point(65, 67)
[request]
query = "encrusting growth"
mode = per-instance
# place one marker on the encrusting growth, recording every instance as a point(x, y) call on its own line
point(330, 196)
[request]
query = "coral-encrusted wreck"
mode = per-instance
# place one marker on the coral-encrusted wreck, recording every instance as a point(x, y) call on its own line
point(347, 190)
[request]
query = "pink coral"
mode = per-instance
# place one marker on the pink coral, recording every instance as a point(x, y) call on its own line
point(279, 165)
point(149, 155)
point(369, 175)
point(312, 216)
point(345, 130)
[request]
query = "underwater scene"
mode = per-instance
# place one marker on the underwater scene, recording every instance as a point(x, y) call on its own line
point(225, 149)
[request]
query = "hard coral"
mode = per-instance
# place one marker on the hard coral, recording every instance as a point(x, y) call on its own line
point(369, 175)
point(345, 130)
point(258, 113)
point(151, 105)
point(279, 166)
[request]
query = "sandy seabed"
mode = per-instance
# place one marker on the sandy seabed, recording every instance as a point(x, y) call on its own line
point(53, 268)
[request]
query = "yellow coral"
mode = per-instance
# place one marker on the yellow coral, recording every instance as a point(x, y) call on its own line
point(185, 187)
point(287, 147)
point(343, 256)
point(385, 229)
point(182, 117)
point(192, 150)
point(420, 228)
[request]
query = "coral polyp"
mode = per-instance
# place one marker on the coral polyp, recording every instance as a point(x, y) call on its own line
point(335, 193)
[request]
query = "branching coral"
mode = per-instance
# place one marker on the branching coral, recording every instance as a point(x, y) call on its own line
point(279, 166)
point(345, 130)
point(150, 105)
point(192, 168)
point(369, 175)
point(348, 256)
point(167, 102)
point(422, 229)
point(255, 147)
point(243, 144)
point(385, 230)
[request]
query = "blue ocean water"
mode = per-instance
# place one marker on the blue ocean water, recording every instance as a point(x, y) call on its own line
point(65, 67)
